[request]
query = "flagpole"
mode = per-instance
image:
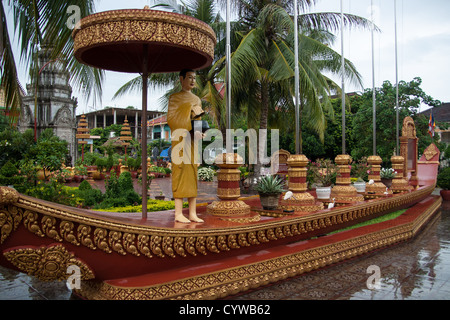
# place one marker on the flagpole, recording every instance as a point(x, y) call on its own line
point(373, 87)
point(297, 82)
point(396, 78)
point(229, 144)
point(228, 66)
point(343, 86)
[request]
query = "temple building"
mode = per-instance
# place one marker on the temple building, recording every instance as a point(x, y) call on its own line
point(55, 106)
point(113, 115)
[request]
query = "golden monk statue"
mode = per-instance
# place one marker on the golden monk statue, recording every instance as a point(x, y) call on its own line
point(184, 106)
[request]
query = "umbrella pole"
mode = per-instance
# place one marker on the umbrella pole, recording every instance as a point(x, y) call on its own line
point(144, 133)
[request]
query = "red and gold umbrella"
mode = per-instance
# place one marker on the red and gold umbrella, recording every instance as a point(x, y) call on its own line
point(143, 41)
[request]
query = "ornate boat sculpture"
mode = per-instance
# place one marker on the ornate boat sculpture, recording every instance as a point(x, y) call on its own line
point(122, 256)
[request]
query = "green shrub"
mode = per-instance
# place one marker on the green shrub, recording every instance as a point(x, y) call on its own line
point(90, 197)
point(152, 205)
point(443, 179)
point(84, 185)
point(9, 175)
point(125, 181)
point(119, 191)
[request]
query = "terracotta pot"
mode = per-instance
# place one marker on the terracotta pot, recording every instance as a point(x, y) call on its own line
point(445, 194)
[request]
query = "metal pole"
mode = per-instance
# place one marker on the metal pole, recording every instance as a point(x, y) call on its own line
point(228, 66)
point(396, 79)
point(373, 89)
point(144, 133)
point(297, 82)
point(343, 85)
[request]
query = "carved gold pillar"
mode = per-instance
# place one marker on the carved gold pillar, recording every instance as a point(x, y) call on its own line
point(228, 190)
point(82, 134)
point(301, 200)
point(377, 189)
point(344, 191)
point(399, 183)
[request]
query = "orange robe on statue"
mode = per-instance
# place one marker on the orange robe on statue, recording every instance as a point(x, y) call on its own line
point(184, 175)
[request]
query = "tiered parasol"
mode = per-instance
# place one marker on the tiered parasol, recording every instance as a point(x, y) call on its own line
point(125, 135)
point(143, 41)
point(82, 134)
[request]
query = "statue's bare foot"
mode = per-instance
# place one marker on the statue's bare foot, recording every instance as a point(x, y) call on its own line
point(195, 219)
point(182, 219)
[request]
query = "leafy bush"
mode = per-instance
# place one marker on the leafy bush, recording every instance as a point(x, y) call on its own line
point(119, 191)
point(84, 185)
point(88, 195)
point(134, 164)
point(205, 174)
point(152, 205)
point(9, 175)
point(443, 179)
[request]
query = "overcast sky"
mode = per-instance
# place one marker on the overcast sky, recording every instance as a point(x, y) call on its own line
point(423, 31)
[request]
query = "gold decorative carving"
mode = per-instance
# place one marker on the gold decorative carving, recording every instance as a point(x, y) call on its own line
point(8, 195)
point(223, 283)
point(409, 128)
point(228, 208)
point(66, 225)
point(143, 25)
point(10, 217)
point(47, 263)
point(430, 152)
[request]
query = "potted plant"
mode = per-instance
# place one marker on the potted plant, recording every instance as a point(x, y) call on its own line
point(168, 171)
point(101, 165)
point(386, 175)
point(160, 196)
point(443, 182)
point(360, 170)
point(80, 173)
point(133, 166)
point(270, 188)
point(324, 173)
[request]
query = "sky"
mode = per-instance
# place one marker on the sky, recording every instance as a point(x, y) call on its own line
point(423, 43)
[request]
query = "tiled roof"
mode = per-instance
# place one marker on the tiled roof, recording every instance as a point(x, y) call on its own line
point(157, 121)
point(441, 113)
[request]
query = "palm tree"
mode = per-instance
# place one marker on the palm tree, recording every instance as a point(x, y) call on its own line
point(38, 23)
point(263, 64)
point(265, 57)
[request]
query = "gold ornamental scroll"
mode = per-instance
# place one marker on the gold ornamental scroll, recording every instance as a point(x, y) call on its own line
point(112, 40)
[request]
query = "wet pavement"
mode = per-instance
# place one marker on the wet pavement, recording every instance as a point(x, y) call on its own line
point(418, 269)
